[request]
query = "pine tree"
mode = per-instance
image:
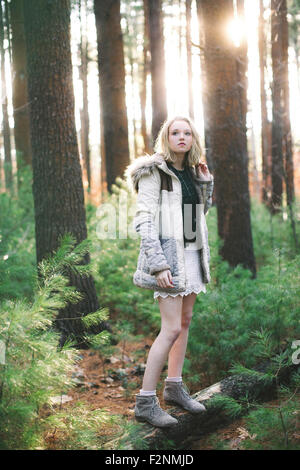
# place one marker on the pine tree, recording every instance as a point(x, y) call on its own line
point(112, 88)
point(224, 69)
point(57, 178)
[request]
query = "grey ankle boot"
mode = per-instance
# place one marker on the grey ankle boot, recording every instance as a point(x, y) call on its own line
point(176, 393)
point(147, 409)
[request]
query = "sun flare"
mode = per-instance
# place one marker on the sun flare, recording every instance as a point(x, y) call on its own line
point(236, 31)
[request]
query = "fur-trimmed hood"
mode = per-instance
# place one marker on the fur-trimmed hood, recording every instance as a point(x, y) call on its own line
point(142, 166)
point(145, 165)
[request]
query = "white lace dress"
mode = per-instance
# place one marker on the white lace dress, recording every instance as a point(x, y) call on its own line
point(193, 273)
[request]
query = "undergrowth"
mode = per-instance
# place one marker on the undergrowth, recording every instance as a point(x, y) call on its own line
point(226, 324)
point(33, 369)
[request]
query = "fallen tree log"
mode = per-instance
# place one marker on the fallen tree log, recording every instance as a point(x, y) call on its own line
point(254, 387)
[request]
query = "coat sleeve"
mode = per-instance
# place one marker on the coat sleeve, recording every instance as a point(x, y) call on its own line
point(208, 195)
point(206, 185)
point(144, 222)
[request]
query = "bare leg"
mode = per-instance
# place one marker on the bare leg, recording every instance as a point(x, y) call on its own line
point(171, 311)
point(178, 350)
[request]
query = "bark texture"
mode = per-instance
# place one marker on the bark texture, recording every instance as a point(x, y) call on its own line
point(5, 120)
point(84, 112)
point(156, 34)
point(112, 88)
point(282, 158)
point(205, 97)
point(145, 70)
point(188, 12)
point(57, 178)
point(265, 124)
point(225, 104)
point(19, 84)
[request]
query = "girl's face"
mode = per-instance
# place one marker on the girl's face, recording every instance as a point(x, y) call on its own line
point(180, 137)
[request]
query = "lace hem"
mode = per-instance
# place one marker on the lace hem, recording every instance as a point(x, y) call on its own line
point(190, 290)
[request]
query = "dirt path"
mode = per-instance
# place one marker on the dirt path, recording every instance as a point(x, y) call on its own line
point(111, 384)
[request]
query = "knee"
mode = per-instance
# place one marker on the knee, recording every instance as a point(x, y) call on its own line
point(173, 334)
point(186, 319)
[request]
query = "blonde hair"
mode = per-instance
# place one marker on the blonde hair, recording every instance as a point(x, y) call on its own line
point(162, 145)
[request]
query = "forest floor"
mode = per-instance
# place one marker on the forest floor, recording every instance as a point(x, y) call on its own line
point(110, 384)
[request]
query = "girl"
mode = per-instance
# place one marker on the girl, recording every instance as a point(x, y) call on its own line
point(174, 193)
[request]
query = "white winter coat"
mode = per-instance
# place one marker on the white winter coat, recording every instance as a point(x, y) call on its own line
point(159, 221)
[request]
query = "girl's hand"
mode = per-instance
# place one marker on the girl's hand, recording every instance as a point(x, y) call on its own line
point(203, 172)
point(203, 167)
point(164, 278)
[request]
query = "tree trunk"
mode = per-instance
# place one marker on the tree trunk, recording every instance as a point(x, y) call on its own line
point(143, 81)
point(242, 67)
point(103, 177)
point(130, 34)
point(265, 125)
point(84, 112)
point(226, 105)
point(205, 103)
point(255, 182)
point(135, 136)
point(57, 178)
point(277, 131)
point(112, 88)
point(282, 158)
point(159, 98)
point(287, 133)
point(192, 427)
point(188, 5)
point(5, 121)
point(19, 86)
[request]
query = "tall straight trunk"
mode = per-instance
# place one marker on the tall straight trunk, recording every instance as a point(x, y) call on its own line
point(287, 132)
point(19, 85)
point(188, 6)
point(135, 145)
point(159, 97)
point(57, 177)
point(5, 121)
point(204, 86)
point(256, 185)
point(103, 177)
point(242, 67)
point(282, 158)
point(112, 87)
point(265, 126)
point(224, 70)
point(130, 57)
point(294, 35)
point(277, 109)
point(145, 70)
point(84, 112)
